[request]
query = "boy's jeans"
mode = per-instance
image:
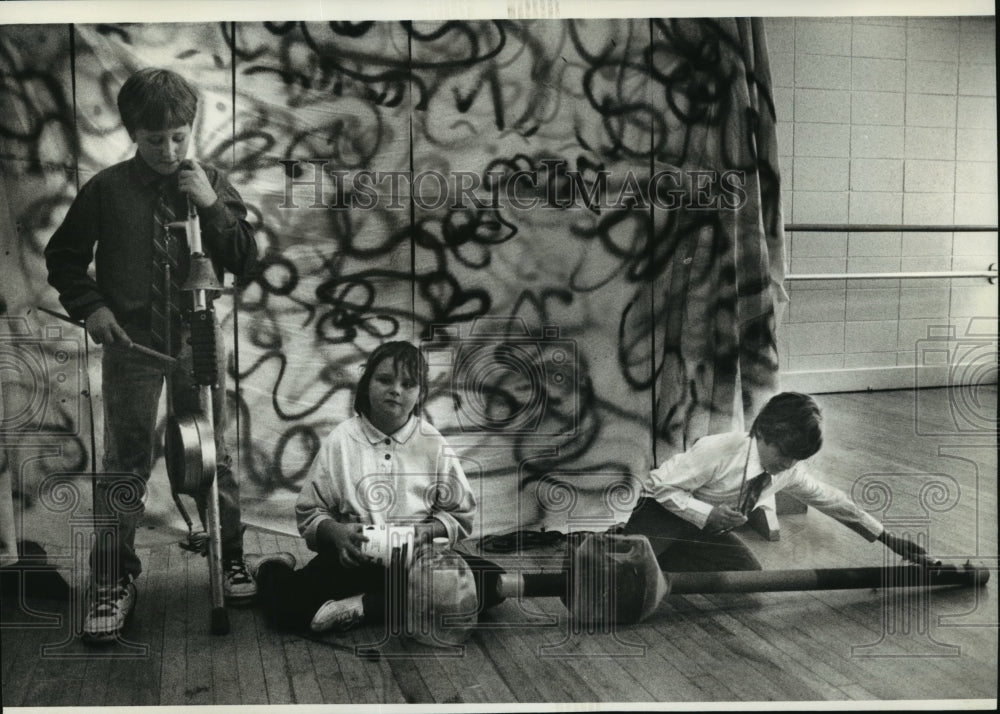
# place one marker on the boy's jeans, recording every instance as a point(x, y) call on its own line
point(132, 385)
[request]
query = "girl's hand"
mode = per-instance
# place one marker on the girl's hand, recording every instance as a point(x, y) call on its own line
point(343, 539)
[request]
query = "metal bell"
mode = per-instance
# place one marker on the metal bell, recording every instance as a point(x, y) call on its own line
point(202, 275)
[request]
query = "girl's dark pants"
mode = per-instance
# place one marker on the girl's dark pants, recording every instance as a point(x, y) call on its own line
point(290, 598)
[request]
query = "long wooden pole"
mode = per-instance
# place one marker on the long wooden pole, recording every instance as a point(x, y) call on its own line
point(219, 617)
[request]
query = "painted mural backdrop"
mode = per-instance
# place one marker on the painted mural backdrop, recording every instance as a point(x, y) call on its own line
point(578, 221)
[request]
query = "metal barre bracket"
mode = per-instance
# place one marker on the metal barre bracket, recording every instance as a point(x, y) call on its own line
point(990, 274)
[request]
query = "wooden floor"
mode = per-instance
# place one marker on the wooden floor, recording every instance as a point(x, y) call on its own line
point(835, 645)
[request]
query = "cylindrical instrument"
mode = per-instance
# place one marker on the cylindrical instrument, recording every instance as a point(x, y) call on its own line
point(204, 366)
point(191, 453)
point(616, 579)
point(896, 576)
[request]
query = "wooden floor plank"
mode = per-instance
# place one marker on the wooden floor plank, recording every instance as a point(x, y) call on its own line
point(857, 693)
point(11, 639)
point(775, 646)
point(140, 677)
point(198, 648)
point(250, 665)
point(363, 681)
point(17, 676)
point(276, 681)
point(61, 657)
point(507, 661)
point(225, 670)
point(384, 684)
point(277, 675)
point(475, 670)
point(788, 672)
point(709, 680)
point(766, 661)
point(603, 659)
point(98, 672)
point(305, 687)
point(953, 673)
point(28, 676)
point(173, 665)
point(660, 671)
point(333, 688)
point(437, 679)
point(410, 680)
point(701, 668)
point(550, 674)
point(774, 624)
point(921, 682)
point(55, 680)
point(696, 635)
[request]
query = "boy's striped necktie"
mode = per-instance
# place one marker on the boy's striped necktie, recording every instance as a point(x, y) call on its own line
point(164, 256)
point(752, 490)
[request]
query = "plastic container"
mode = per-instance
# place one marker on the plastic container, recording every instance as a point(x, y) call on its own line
point(442, 605)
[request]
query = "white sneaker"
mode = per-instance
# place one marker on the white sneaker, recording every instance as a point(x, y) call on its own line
point(111, 607)
point(339, 615)
point(237, 584)
point(254, 561)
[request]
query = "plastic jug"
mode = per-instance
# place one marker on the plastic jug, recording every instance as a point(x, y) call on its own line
point(442, 603)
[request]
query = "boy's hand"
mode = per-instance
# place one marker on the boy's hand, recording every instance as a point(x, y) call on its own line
point(345, 540)
point(192, 181)
point(103, 328)
point(906, 548)
point(722, 519)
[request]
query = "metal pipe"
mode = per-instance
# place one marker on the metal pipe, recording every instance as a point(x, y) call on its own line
point(989, 274)
point(556, 583)
point(219, 619)
point(883, 228)
point(826, 579)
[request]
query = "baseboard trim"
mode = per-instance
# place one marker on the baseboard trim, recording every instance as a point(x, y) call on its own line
point(880, 378)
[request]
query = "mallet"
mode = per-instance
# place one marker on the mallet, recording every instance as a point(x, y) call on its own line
point(166, 359)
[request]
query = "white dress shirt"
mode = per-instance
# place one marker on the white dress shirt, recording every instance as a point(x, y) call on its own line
point(360, 475)
point(711, 472)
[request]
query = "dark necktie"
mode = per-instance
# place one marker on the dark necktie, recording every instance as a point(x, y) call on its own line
point(752, 490)
point(165, 292)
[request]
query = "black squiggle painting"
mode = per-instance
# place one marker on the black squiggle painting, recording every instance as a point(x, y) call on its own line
point(601, 311)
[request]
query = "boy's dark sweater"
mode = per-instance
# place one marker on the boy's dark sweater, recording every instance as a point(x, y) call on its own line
point(114, 211)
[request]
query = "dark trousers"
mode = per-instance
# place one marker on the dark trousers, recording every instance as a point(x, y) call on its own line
point(132, 386)
point(290, 598)
point(681, 546)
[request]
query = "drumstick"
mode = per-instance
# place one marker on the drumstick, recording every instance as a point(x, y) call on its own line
point(137, 348)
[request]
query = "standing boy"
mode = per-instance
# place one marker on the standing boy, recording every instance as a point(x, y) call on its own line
point(692, 501)
point(136, 298)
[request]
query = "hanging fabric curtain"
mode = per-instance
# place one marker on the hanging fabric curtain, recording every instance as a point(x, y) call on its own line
point(718, 290)
point(630, 328)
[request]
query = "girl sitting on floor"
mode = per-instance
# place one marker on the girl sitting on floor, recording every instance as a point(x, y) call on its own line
point(385, 466)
